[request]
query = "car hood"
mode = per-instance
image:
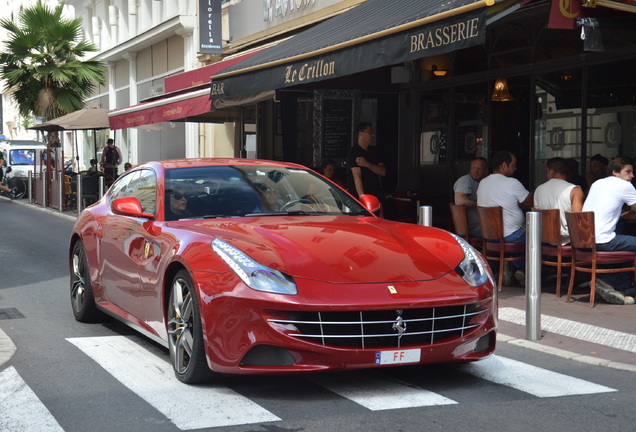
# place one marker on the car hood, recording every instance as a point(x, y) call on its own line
point(340, 249)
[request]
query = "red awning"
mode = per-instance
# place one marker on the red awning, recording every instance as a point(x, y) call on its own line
point(178, 107)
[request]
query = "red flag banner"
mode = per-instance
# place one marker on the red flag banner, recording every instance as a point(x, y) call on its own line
point(563, 13)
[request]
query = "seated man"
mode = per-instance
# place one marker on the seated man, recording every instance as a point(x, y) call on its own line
point(177, 202)
point(558, 193)
point(466, 193)
point(500, 189)
point(606, 199)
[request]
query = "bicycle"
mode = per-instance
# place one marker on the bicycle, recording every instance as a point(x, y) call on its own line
point(15, 184)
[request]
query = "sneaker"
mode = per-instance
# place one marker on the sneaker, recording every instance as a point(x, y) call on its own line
point(520, 276)
point(608, 293)
point(13, 193)
point(629, 300)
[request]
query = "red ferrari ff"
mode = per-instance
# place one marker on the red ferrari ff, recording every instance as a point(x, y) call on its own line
point(259, 267)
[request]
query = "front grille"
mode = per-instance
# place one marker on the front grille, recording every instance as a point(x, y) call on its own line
point(379, 329)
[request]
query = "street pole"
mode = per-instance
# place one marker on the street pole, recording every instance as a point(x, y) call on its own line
point(533, 276)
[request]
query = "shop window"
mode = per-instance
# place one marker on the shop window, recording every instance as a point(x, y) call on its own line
point(470, 60)
point(611, 98)
point(434, 135)
point(512, 47)
point(558, 119)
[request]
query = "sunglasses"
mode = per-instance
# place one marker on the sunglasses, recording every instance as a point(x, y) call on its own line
point(179, 196)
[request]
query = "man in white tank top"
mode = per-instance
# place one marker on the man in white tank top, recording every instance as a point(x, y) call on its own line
point(557, 193)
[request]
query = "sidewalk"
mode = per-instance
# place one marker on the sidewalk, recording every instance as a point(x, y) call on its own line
point(604, 335)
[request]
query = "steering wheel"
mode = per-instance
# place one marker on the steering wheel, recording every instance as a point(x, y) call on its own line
point(291, 203)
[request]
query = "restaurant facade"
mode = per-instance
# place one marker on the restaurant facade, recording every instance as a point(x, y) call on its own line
point(444, 82)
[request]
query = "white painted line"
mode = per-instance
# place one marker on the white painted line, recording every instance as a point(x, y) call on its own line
point(575, 330)
point(150, 377)
point(377, 393)
point(531, 379)
point(20, 409)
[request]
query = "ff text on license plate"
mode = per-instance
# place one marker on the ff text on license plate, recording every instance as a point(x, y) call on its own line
point(398, 356)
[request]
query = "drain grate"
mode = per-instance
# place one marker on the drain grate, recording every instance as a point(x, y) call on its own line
point(10, 313)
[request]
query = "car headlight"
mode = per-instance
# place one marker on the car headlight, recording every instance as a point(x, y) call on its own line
point(472, 268)
point(255, 275)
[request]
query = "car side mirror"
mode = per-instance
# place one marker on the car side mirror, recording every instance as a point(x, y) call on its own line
point(130, 206)
point(370, 202)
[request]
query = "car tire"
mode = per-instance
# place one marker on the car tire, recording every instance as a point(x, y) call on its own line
point(185, 337)
point(82, 300)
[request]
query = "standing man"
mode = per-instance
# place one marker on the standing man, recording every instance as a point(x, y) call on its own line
point(500, 189)
point(606, 199)
point(364, 166)
point(466, 193)
point(558, 193)
point(111, 158)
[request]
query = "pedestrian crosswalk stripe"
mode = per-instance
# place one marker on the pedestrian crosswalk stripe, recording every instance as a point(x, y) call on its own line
point(531, 379)
point(20, 408)
point(377, 393)
point(576, 330)
point(152, 378)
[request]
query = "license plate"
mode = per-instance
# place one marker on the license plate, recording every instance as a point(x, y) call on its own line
point(398, 356)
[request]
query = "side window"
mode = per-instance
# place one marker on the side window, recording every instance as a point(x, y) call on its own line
point(140, 184)
point(144, 187)
point(119, 189)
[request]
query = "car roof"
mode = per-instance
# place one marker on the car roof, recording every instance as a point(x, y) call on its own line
point(197, 162)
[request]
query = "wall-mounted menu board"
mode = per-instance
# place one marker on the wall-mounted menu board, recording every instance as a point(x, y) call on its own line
point(337, 127)
point(335, 116)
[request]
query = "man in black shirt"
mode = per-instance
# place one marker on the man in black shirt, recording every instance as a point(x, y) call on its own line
point(364, 166)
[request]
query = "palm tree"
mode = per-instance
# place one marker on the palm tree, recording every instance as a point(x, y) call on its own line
point(42, 62)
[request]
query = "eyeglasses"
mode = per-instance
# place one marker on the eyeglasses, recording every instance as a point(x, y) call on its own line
point(368, 132)
point(179, 196)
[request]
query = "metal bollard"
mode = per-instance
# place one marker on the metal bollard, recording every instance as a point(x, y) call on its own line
point(30, 186)
point(425, 216)
point(43, 183)
point(78, 191)
point(533, 276)
point(102, 186)
point(61, 194)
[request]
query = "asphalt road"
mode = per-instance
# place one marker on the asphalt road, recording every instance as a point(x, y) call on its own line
point(68, 376)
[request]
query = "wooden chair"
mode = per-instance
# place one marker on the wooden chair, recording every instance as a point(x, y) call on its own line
point(551, 240)
point(586, 258)
point(459, 215)
point(493, 245)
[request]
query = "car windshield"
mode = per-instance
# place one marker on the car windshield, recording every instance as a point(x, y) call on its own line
point(235, 191)
point(21, 157)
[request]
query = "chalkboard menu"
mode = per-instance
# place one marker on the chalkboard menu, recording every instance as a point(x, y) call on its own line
point(337, 127)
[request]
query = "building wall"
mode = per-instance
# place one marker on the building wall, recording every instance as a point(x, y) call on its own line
point(143, 42)
point(12, 125)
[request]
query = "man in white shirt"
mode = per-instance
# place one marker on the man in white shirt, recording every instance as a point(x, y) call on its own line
point(558, 193)
point(465, 189)
point(606, 199)
point(500, 189)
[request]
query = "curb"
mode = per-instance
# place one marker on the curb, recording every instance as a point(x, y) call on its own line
point(25, 203)
point(565, 354)
point(7, 348)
